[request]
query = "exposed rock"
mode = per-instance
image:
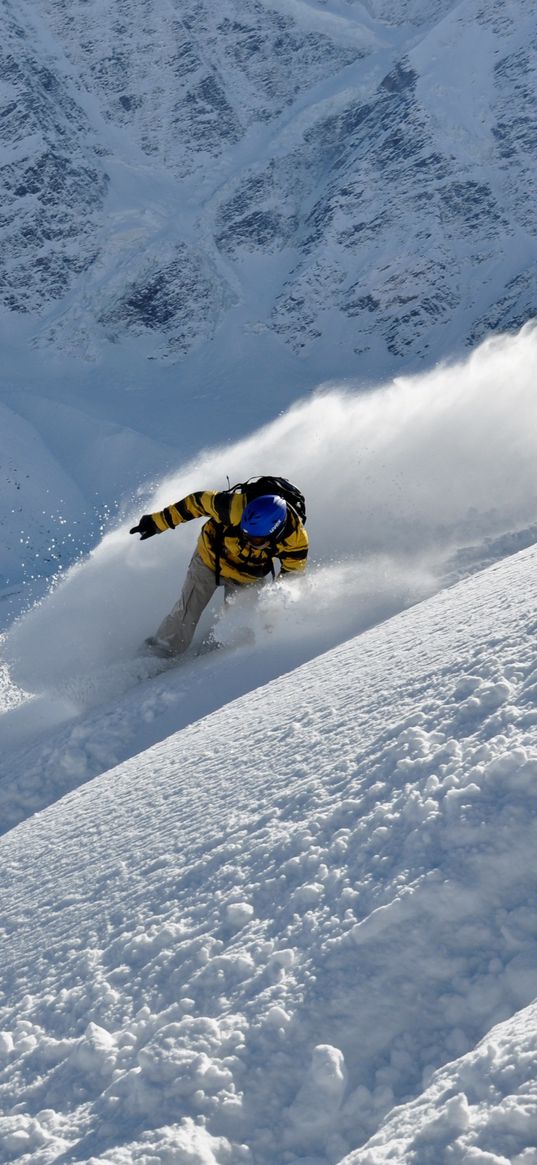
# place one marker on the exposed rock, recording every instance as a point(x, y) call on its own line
point(161, 166)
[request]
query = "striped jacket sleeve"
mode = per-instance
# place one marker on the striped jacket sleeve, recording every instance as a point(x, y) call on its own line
point(200, 504)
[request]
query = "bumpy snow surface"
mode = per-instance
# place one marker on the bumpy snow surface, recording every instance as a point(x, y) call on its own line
point(253, 941)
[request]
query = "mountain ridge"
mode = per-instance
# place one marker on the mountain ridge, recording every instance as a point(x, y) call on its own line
point(410, 123)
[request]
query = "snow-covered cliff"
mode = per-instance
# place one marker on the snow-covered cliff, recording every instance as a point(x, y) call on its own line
point(357, 183)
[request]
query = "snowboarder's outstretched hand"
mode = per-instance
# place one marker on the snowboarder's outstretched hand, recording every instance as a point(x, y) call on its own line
point(146, 527)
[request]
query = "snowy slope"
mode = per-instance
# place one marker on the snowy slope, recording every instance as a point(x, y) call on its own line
point(481, 1109)
point(252, 941)
point(252, 913)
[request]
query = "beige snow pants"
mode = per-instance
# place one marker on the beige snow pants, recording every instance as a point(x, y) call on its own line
point(177, 629)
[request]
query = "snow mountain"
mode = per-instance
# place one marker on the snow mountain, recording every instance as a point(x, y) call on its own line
point(343, 183)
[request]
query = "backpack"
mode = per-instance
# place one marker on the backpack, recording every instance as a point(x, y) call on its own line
point(257, 487)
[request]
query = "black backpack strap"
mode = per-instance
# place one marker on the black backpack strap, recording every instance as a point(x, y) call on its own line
point(218, 544)
point(220, 528)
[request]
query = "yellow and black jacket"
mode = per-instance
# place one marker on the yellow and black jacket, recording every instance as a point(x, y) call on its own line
point(221, 544)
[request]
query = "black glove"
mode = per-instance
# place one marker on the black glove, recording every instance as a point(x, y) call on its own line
point(146, 527)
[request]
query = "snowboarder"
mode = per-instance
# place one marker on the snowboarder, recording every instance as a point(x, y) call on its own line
point(235, 549)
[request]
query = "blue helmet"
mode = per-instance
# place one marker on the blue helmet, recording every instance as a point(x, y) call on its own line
point(264, 517)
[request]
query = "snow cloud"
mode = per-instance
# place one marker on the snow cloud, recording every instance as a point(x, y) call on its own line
point(400, 481)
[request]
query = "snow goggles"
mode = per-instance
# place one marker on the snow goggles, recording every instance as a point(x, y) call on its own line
point(256, 540)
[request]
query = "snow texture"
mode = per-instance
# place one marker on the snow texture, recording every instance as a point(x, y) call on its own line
point(257, 939)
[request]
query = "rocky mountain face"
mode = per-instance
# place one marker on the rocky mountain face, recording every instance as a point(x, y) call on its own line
point(352, 182)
